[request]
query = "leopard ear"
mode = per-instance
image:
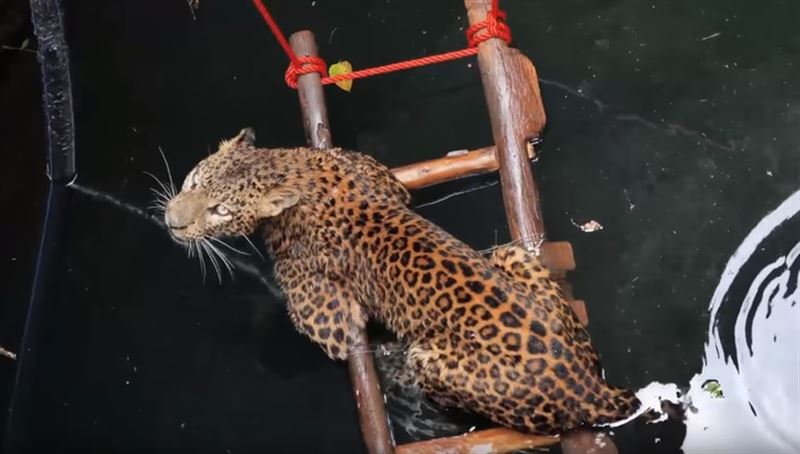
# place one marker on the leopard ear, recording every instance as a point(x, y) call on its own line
point(277, 200)
point(245, 138)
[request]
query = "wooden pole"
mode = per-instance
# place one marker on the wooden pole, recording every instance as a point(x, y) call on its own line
point(312, 95)
point(515, 110)
point(369, 398)
point(494, 441)
point(511, 101)
point(454, 165)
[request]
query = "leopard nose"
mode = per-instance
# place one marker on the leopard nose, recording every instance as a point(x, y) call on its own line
point(179, 213)
point(173, 220)
point(183, 210)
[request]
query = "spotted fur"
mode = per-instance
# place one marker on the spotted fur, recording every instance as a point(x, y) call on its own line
point(494, 336)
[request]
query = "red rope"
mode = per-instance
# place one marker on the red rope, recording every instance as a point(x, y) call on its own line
point(275, 30)
point(493, 26)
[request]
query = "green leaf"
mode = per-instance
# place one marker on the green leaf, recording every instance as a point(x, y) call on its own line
point(343, 67)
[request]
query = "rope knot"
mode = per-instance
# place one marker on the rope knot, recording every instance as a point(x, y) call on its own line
point(494, 26)
point(306, 64)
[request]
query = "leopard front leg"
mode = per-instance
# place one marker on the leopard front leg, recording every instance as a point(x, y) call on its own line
point(321, 305)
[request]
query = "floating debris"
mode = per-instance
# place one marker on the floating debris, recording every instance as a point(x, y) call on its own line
point(631, 205)
point(589, 226)
point(713, 388)
point(8, 354)
point(193, 6)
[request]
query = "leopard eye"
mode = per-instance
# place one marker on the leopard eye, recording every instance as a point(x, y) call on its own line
point(220, 210)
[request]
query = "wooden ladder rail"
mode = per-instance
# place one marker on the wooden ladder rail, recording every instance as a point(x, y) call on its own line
point(366, 387)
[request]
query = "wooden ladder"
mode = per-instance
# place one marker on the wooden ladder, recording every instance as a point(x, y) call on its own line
point(517, 115)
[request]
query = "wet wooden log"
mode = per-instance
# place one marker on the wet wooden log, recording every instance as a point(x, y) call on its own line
point(454, 165)
point(515, 111)
point(517, 116)
point(495, 441)
point(366, 386)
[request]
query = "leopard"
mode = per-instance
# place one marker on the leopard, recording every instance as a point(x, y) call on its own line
point(493, 335)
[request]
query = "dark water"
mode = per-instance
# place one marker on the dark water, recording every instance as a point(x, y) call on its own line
point(672, 124)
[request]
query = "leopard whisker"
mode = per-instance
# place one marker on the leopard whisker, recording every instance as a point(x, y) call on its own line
point(208, 248)
point(201, 258)
point(160, 203)
point(157, 206)
point(160, 195)
point(228, 264)
point(253, 246)
point(164, 188)
point(160, 198)
point(225, 260)
point(226, 245)
point(169, 173)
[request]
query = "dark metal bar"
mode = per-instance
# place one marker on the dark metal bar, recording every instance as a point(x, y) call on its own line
point(511, 97)
point(53, 55)
point(369, 398)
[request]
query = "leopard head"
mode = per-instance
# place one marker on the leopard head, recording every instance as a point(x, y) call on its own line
point(229, 193)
